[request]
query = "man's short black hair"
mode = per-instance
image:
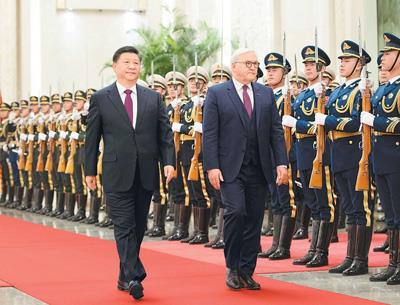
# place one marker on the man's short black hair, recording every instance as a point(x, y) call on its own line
point(126, 49)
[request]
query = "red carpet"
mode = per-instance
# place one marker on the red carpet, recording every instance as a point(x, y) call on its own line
point(60, 268)
point(4, 284)
point(337, 252)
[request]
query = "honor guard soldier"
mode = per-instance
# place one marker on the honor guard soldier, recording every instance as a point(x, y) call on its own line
point(46, 180)
point(13, 156)
point(219, 74)
point(75, 162)
point(298, 83)
point(176, 83)
point(53, 156)
point(66, 126)
point(26, 181)
point(385, 121)
point(283, 205)
point(320, 201)
point(97, 195)
point(192, 127)
point(33, 155)
point(342, 121)
point(160, 196)
point(328, 76)
point(6, 130)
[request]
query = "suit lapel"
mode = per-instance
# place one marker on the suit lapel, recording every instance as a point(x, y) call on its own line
point(257, 104)
point(115, 99)
point(141, 105)
point(237, 102)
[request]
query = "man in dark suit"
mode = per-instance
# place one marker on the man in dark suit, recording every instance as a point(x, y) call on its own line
point(241, 124)
point(137, 135)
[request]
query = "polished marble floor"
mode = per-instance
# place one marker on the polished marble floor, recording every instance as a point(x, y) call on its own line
point(359, 286)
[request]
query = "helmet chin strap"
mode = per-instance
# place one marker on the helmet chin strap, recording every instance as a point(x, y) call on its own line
point(395, 61)
point(354, 68)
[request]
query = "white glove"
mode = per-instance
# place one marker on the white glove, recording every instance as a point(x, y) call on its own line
point(31, 137)
point(285, 90)
point(24, 137)
point(86, 107)
point(19, 152)
point(74, 135)
point(5, 147)
point(364, 84)
point(320, 118)
point(42, 137)
point(176, 127)
point(198, 101)
point(76, 116)
point(41, 120)
point(175, 103)
point(84, 113)
point(289, 121)
point(318, 89)
point(367, 118)
point(11, 116)
point(198, 127)
point(63, 134)
point(52, 134)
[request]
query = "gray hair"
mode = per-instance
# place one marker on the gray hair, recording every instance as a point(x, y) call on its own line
point(235, 56)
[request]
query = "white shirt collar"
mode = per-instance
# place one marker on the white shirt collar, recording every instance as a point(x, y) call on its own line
point(352, 81)
point(239, 86)
point(121, 89)
point(313, 86)
point(392, 80)
point(277, 89)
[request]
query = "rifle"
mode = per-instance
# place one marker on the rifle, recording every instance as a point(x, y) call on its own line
point(316, 175)
point(194, 165)
point(21, 159)
point(287, 104)
point(363, 181)
point(42, 148)
point(176, 119)
point(61, 160)
point(74, 143)
point(29, 158)
point(52, 147)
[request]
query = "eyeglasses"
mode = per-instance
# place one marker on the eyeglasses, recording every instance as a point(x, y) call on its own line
point(250, 64)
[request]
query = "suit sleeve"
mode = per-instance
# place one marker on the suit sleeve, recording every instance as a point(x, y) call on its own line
point(210, 131)
point(165, 137)
point(276, 137)
point(94, 132)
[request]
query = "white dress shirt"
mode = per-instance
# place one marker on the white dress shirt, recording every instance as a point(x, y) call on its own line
point(392, 80)
point(350, 82)
point(122, 94)
point(239, 90)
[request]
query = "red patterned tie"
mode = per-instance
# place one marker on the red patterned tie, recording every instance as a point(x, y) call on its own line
point(129, 104)
point(247, 101)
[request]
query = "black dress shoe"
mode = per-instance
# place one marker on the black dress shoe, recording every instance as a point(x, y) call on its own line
point(247, 282)
point(122, 285)
point(232, 279)
point(136, 290)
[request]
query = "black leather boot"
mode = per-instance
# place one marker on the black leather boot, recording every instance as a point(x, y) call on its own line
point(204, 220)
point(69, 206)
point(196, 222)
point(19, 192)
point(313, 245)
point(324, 239)
point(3, 197)
point(183, 226)
point(10, 199)
point(39, 205)
point(285, 239)
point(386, 273)
point(177, 208)
point(268, 230)
point(360, 262)
point(395, 278)
point(94, 210)
point(158, 229)
point(26, 200)
point(60, 201)
point(302, 231)
point(171, 212)
point(277, 223)
point(48, 202)
point(220, 244)
point(81, 201)
point(384, 246)
point(219, 229)
point(34, 203)
point(351, 243)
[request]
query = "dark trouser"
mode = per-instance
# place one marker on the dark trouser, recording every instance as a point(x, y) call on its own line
point(198, 190)
point(244, 205)
point(129, 210)
point(388, 187)
point(78, 176)
point(160, 194)
point(357, 205)
point(320, 201)
point(13, 157)
point(56, 177)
